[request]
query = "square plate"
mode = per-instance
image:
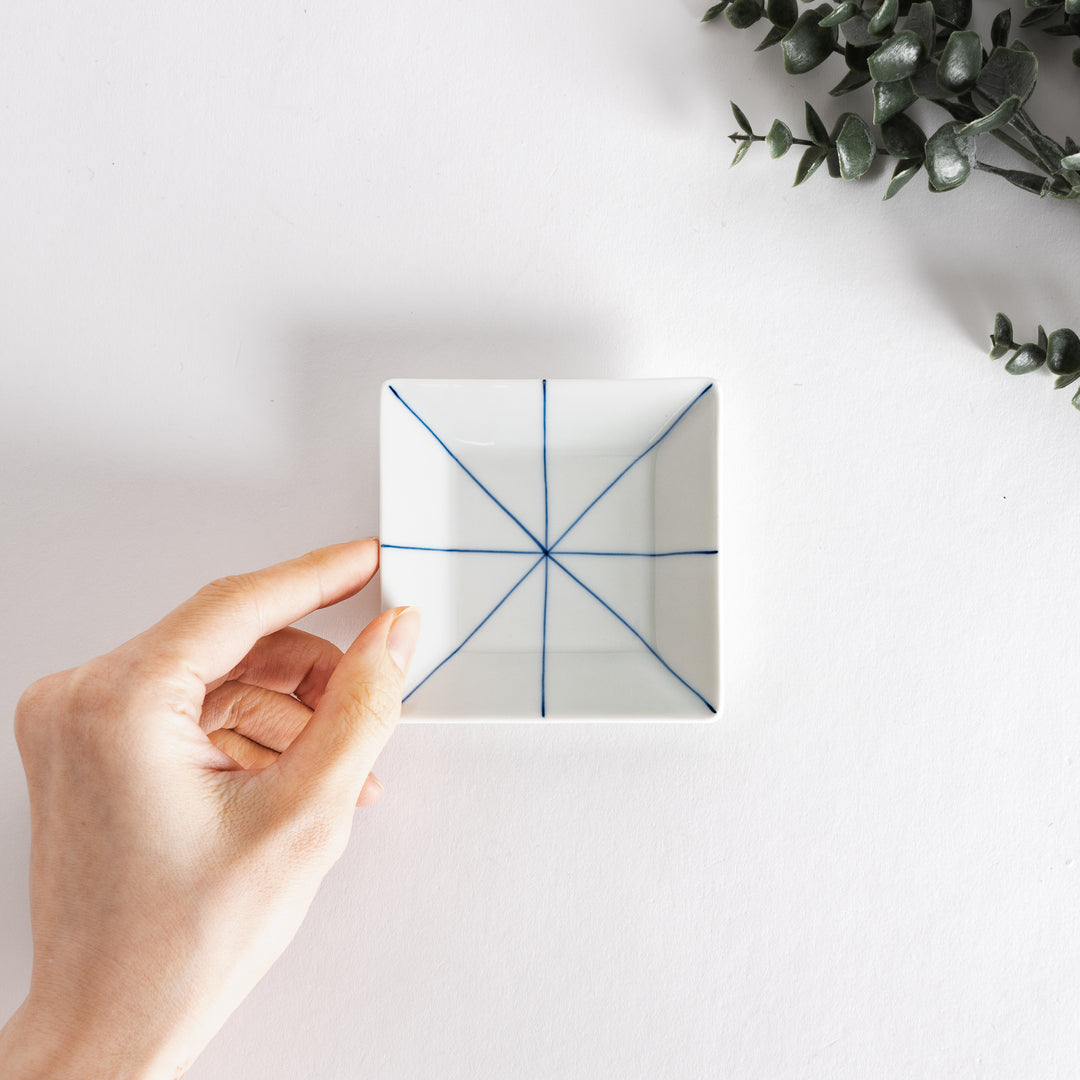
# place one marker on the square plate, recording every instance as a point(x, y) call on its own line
point(560, 537)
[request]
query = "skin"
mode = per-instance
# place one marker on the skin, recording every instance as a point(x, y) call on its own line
point(188, 793)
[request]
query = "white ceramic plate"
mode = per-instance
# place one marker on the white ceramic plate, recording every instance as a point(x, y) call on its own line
point(560, 537)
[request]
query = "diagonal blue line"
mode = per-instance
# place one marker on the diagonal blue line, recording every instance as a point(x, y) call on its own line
point(634, 554)
point(466, 470)
point(604, 603)
point(451, 655)
point(461, 551)
point(652, 446)
point(543, 647)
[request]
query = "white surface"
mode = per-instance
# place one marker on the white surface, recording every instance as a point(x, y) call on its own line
point(514, 511)
point(225, 225)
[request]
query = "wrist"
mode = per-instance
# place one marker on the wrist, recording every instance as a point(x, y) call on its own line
point(37, 1044)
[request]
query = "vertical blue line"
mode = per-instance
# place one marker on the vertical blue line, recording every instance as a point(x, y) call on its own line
point(544, 390)
point(543, 647)
point(543, 643)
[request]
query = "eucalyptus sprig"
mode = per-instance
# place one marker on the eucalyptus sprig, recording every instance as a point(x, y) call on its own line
point(1058, 350)
point(911, 51)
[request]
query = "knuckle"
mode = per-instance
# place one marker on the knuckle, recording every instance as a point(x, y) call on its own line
point(230, 590)
point(35, 706)
point(313, 832)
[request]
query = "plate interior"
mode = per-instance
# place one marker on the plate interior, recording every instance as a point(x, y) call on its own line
point(560, 537)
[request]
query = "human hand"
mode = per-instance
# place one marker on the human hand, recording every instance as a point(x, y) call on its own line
point(188, 792)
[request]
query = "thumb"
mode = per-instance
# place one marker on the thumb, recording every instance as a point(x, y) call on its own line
point(358, 711)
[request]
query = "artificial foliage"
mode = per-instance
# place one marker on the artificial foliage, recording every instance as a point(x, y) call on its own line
point(906, 52)
point(1059, 351)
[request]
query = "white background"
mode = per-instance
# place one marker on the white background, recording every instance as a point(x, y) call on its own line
point(223, 225)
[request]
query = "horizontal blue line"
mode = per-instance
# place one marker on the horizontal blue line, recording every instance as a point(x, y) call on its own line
point(604, 603)
point(637, 554)
point(525, 551)
point(461, 551)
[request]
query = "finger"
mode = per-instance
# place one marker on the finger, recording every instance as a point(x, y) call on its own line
point(289, 661)
point(264, 716)
point(358, 712)
point(246, 754)
point(212, 632)
point(371, 792)
point(250, 755)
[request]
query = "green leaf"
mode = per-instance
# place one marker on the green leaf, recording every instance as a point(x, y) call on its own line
point(881, 22)
point(1064, 380)
point(1003, 330)
point(920, 20)
point(903, 138)
point(1027, 358)
point(714, 11)
point(950, 157)
point(1026, 181)
point(898, 58)
point(809, 164)
point(815, 128)
point(740, 119)
point(807, 43)
point(954, 13)
point(1043, 341)
point(1063, 352)
point(856, 56)
point(855, 147)
point(741, 152)
point(840, 14)
point(892, 98)
point(773, 37)
point(851, 81)
point(903, 172)
point(1071, 162)
point(779, 139)
point(744, 13)
point(1076, 396)
point(999, 30)
point(1050, 151)
point(960, 62)
point(782, 12)
point(1037, 16)
point(1001, 116)
point(1009, 72)
point(1072, 7)
point(856, 31)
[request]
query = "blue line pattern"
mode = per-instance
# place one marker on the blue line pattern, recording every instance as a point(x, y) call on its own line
point(471, 476)
point(648, 450)
point(548, 550)
point(450, 656)
point(604, 603)
point(467, 551)
point(547, 556)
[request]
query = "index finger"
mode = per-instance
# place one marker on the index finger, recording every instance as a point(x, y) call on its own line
point(209, 634)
